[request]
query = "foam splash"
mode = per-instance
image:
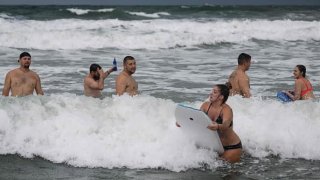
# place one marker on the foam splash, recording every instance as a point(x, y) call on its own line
point(133, 132)
point(149, 34)
point(269, 127)
point(153, 15)
point(86, 11)
point(5, 16)
point(140, 132)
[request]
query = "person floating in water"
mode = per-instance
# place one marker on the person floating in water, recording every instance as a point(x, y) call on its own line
point(302, 88)
point(93, 83)
point(238, 80)
point(22, 81)
point(125, 83)
point(222, 121)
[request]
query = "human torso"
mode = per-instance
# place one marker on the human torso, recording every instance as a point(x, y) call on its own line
point(131, 84)
point(306, 90)
point(227, 136)
point(89, 91)
point(22, 83)
point(234, 79)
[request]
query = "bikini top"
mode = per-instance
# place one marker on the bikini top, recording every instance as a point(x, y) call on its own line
point(219, 120)
point(304, 92)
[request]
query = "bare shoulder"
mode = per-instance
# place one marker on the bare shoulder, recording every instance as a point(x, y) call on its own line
point(34, 74)
point(226, 108)
point(233, 74)
point(88, 80)
point(121, 77)
point(13, 71)
point(241, 74)
point(205, 105)
point(298, 81)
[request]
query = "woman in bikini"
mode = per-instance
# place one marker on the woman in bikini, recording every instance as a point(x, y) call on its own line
point(222, 121)
point(302, 89)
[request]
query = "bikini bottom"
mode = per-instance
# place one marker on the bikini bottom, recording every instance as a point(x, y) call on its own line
point(230, 147)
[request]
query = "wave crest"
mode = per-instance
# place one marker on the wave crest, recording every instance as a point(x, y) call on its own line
point(150, 34)
point(86, 11)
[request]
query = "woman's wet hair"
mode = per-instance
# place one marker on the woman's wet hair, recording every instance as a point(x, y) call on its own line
point(302, 69)
point(224, 91)
point(94, 67)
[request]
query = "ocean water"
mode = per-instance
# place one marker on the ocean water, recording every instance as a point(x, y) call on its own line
point(181, 52)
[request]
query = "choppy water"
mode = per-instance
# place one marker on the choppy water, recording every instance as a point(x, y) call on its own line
point(181, 53)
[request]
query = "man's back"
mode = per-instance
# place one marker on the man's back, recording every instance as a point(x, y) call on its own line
point(239, 81)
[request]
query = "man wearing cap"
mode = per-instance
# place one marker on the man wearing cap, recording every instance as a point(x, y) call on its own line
point(22, 81)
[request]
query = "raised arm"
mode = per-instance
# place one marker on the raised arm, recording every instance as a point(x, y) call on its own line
point(108, 72)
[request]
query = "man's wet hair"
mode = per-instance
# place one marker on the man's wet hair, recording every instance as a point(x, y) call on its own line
point(94, 67)
point(24, 54)
point(243, 58)
point(125, 59)
point(224, 91)
point(302, 69)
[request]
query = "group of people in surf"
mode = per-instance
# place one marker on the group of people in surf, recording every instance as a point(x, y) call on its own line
point(22, 82)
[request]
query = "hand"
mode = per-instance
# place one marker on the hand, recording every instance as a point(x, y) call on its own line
point(289, 93)
point(213, 126)
point(100, 71)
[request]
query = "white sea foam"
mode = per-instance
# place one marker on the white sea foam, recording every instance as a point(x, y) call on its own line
point(272, 128)
point(5, 16)
point(140, 132)
point(149, 34)
point(153, 15)
point(86, 11)
point(134, 132)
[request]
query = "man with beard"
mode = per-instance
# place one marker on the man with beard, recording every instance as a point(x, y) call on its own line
point(94, 81)
point(238, 82)
point(125, 83)
point(22, 81)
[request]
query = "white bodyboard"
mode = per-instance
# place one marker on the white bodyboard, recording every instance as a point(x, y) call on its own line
point(194, 123)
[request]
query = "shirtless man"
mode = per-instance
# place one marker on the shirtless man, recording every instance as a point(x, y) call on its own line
point(22, 81)
point(125, 83)
point(93, 83)
point(238, 80)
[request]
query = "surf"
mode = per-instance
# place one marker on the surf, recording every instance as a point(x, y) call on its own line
point(154, 34)
point(140, 131)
